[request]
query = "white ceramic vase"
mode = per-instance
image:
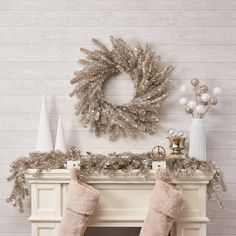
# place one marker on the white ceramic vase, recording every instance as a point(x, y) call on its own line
point(197, 146)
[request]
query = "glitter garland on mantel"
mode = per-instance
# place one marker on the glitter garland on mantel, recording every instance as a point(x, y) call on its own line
point(107, 165)
point(150, 84)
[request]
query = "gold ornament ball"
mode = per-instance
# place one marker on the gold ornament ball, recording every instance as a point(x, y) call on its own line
point(213, 100)
point(204, 88)
point(199, 92)
point(188, 110)
point(195, 82)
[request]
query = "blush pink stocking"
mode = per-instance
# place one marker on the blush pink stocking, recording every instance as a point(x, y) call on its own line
point(166, 203)
point(81, 203)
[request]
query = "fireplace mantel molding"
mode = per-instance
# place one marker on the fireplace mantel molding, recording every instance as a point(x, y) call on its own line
point(123, 201)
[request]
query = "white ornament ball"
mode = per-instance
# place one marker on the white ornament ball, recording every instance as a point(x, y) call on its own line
point(200, 109)
point(183, 101)
point(183, 89)
point(191, 104)
point(172, 132)
point(217, 90)
point(205, 97)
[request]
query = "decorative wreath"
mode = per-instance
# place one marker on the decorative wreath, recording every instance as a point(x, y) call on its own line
point(150, 84)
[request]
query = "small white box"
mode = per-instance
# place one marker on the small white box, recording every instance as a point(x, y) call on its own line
point(159, 165)
point(72, 164)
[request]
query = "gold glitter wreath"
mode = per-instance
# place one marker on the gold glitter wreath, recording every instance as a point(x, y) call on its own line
point(150, 84)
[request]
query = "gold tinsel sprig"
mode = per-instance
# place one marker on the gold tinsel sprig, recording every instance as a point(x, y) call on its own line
point(150, 79)
point(107, 165)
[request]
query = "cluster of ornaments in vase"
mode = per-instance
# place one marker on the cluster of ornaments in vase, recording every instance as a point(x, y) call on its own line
point(202, 101)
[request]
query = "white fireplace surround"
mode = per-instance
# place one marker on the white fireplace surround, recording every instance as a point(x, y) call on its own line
point(123, 201)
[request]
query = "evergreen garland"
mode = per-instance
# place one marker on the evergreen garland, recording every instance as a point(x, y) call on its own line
point(107, 165)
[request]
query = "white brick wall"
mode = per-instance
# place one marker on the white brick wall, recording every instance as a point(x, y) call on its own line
point(39, 50)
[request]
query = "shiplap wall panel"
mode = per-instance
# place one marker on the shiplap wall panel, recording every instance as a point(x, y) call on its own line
point(40, 44)
point(15, 225)
point(75, 35)
point(15, 234)
point(119, 4)
point(179, 53)
point(8, 211)
point(112, 17)
point(42, 70)
point(222, 226)
point(86, 140)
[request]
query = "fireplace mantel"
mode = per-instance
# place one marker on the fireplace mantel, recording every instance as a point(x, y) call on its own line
point(123, 201)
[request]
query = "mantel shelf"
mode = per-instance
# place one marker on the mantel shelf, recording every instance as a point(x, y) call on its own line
point(119, 177)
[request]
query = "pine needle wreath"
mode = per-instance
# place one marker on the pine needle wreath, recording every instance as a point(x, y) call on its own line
point(150, 83)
